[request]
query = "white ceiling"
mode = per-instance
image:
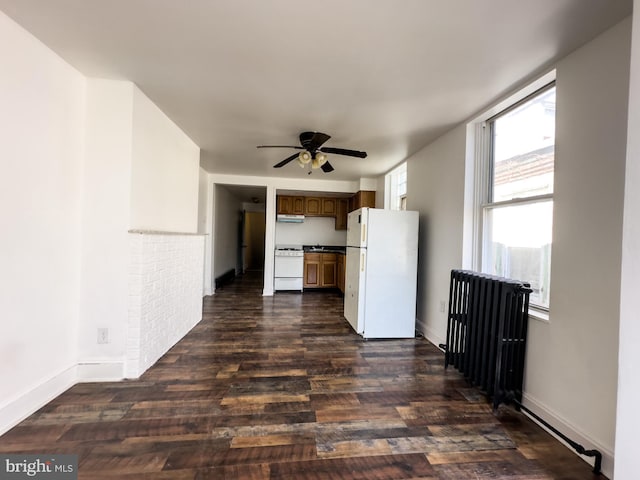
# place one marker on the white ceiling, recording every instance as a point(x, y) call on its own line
point(384, 76)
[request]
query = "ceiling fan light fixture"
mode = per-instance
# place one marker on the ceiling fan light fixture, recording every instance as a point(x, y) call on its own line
point(322, 159)
point(304, 158)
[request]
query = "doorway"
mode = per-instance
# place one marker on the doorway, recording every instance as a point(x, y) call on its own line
point(252, 247)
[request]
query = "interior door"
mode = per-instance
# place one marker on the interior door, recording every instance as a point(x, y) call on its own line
point(254, 240)
point(241, 260)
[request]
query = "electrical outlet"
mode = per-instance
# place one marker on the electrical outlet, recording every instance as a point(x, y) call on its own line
point(103, 335)
point(443, 305)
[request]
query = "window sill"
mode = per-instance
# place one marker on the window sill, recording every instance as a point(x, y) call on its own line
point(539, 315)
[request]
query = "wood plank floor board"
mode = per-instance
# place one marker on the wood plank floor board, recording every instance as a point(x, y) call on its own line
point(378, 467)
point(280, 388)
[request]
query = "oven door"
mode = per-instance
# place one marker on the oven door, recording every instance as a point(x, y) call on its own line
point(287, 267)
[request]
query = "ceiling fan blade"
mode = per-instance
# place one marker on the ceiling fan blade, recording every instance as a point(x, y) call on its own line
point(326, 167)
point(343, 151)
point(280, 146)
point(285, 161)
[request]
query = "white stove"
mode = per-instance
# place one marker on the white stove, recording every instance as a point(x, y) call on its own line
point(289, 267)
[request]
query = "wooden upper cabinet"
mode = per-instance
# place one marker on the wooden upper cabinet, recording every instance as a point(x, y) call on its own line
point(342, 208)
point(364, 198)
point(297, 205)
point(284, 205)
point(320, 206)
point(312, 206)
point(288, 205)
point(337, 208)
point(328, 206)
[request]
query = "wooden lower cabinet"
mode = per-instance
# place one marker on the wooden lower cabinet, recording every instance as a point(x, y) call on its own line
point(329, 267)
point(341, 272)
point(312, 270)
point(320, 270)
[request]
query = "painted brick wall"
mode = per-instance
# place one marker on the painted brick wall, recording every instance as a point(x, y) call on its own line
point(165, 295)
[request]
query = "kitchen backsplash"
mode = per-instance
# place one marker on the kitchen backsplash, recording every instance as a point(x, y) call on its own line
point(313, 231)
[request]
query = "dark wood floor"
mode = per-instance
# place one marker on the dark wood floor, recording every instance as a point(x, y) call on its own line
point(280, 388)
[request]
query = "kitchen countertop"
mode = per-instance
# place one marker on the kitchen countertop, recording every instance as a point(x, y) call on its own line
point(324, 249)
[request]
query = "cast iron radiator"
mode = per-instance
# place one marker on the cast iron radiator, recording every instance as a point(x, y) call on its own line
point(486, 340)
point(487, 332)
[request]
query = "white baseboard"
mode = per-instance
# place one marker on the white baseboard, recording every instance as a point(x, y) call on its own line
point(100, 371)
point(567, 428)
point(429, 333)
point(19, 408)
point(26, 404)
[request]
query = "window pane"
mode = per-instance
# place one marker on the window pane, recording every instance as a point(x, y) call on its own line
point(523, 149)
point(402, 183)
point(519, 245)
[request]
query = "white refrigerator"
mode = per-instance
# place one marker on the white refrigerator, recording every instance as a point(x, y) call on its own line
point(381, 272)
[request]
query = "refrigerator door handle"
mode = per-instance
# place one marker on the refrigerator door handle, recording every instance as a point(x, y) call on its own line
point(362, 262)
point(364, 232)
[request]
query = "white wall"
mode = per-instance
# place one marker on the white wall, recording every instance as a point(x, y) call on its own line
point(227, 208)
point(127, 140)
point(435, 188)
point(628, 416)
point(41, 148)
point(572, 360)
point(105, 221)
point(313, 231)
point(165, 172)
point(205, 208)
point(571, 365)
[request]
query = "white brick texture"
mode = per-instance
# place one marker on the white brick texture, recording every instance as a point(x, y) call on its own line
point(165, 295)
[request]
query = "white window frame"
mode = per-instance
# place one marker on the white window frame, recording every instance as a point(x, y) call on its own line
point(481, 141)
point(393, 200)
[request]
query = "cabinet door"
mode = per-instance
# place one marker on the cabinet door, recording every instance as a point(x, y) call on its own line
point(342, 206)
point(312, 206)
point(284, 205)
point(367, 198)
point(297, 205)
point(328, 206)
point(312, 270)
point(364, 198)
point(329, 270)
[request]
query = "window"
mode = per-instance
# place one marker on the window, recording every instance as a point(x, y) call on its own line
point(517, 210)
point(396, 182)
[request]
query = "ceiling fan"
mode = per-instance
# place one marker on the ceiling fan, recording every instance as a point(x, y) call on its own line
point(313, 152)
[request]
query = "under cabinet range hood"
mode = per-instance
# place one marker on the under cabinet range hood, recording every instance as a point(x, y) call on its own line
point(290, 218)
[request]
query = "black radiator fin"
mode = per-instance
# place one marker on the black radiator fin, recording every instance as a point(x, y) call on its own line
point(487, 332)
